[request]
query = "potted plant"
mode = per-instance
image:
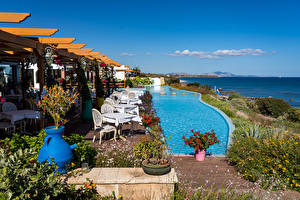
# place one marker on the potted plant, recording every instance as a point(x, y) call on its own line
point(154, 150)
point(56, 102)
point(201, 142)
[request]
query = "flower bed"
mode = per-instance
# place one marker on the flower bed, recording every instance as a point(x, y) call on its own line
point(267, 157)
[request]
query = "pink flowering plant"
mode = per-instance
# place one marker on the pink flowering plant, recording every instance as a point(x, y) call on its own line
point(57, 102)
point(201, 141)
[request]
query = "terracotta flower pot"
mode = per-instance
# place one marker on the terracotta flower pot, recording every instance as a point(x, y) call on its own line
point(200, 155)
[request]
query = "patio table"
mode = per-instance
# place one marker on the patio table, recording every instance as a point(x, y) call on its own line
point(123, 108)
point(120, 118)
point(17, 115)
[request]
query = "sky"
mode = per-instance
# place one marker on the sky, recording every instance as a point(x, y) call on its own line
point(246, 37)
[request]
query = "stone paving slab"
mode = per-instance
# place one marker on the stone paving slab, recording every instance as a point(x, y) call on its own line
point(123, 176)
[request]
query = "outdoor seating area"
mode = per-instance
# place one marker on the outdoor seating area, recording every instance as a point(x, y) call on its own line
point(114, 113)
point(30, 60)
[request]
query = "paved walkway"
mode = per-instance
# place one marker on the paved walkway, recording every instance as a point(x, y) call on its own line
point(215, 173)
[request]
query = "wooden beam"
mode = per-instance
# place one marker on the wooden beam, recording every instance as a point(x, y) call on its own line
point(16, 47)
point(70, 46)
point(67, 54)
point(55, 40)
point(31, 31)
point(13, 17)
point(8, 37)
point(80, 50)
point(94, 53)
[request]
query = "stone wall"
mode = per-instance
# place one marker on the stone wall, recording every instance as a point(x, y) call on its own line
point(131, 183)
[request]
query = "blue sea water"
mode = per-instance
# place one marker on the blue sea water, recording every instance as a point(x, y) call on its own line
point(283, 88)
point(182, 112)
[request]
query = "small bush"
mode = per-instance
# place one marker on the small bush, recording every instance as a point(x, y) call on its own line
point(141, 81)
point(294, 114)
point(172, 80)
point(147, 106)
point(194, 84)
point(234, 95)
point(84, 152)
point(239, 103)
point(272, 107)
point(128, 83)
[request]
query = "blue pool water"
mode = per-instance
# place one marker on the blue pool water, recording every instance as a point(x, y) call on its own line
point(181, 113)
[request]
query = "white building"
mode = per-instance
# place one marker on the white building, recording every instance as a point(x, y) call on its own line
point(120, 72)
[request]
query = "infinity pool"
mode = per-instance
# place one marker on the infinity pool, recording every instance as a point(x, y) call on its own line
point(182, 112)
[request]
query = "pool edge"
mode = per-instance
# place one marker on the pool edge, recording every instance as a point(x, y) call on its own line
point(227, 119)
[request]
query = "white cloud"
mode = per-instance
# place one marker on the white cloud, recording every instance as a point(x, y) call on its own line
point(127, 54)
point(240, 52)
point(218, 53)
point(148, 53)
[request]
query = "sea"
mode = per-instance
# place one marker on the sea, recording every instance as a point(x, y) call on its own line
point(285, 88)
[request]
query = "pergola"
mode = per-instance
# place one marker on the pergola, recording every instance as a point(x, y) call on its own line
point(16, 44)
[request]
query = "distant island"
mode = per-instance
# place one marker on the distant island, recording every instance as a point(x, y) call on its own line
point(217, 74)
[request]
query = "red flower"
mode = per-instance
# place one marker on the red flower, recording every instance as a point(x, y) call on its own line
point(102, 65)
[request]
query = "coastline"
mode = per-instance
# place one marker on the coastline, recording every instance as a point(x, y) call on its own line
point(252, 88)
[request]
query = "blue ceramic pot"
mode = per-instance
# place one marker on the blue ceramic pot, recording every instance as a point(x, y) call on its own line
point(57, 148)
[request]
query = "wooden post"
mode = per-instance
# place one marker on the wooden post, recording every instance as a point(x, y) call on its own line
point(40, 65)
point(94, 76)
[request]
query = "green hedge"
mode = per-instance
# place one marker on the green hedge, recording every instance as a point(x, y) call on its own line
point(272, 107)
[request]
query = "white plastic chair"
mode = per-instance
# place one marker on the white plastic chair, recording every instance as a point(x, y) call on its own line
point(102, 128)
point(109, 101)
point(8, 106)
point(107, 108)
point(131, 95)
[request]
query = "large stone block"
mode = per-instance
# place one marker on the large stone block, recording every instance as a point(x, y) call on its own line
point(131, 183)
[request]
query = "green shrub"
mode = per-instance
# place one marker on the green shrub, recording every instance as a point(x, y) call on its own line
point(272, 107)
point(202, 89)
point(21, 178)
point(194, 84)
point(222, 105)
point(128, 83)
point(294, 114)
point(84, 152)
point(147, 149)
point(252, 106)
point(141, 81)
point(239, 103)
point(234, 95)
point(23, 142)
point(268, 158)
point(172, 80)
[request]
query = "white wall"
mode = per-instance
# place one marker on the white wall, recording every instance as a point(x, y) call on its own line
point(120, 75)
point(156, 81)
